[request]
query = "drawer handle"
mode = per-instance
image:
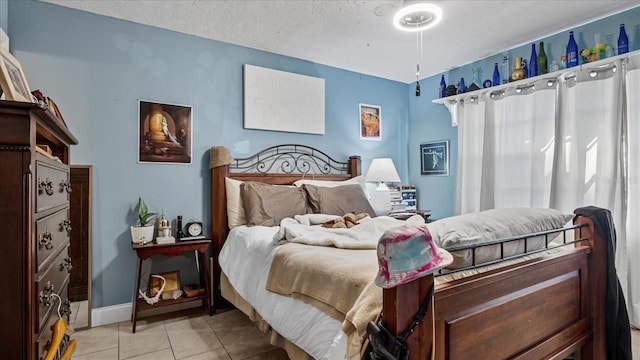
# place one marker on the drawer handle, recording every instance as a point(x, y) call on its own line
point(66, 264)
point(66, 308)
point(46, 240)
point(66, 225)
point(45, 294)
point(46, 186)
point(64, 185)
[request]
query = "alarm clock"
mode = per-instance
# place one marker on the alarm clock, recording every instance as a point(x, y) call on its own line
point(194, 228)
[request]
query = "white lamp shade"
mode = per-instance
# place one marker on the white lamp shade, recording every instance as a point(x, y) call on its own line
point(382, 170)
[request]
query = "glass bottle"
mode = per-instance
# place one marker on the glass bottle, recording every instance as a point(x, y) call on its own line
point(572, 51)
point(623, 41)
point(542, 60)
point(496, 75)
point(443, 87)
point(518, 72)
point(179, 232)
point(533, 62)
point(505, 68)
point(462, 88)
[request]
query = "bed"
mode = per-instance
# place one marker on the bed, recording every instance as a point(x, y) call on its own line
point(547, 303)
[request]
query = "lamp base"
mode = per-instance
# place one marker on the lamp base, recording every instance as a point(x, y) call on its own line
point(381, 200)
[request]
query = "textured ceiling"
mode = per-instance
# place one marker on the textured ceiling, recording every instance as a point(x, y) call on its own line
point(358, 35)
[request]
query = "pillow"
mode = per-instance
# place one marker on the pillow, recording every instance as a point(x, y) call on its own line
point(474, 228)
point(360, 180)
point(235, 209)
point(338, 200)
point(266, 204)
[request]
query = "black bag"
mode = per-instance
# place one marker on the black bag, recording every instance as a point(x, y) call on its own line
point(383, 345)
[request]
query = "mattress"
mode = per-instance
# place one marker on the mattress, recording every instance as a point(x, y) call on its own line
point(245, 259)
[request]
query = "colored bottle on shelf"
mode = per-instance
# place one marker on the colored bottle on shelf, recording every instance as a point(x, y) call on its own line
point(542, 60)
point(462, 88)
point(443, 87)
point(496, 75)
point(533, 62)
point(518, 72)
point(572, 51)
point(623, 41)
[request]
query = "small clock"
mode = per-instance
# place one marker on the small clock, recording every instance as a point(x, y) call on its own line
point(194, 228)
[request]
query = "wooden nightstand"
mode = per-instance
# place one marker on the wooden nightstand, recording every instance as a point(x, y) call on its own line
point(174, 249)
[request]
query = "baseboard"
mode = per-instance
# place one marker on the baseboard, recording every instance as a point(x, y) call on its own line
point(122, 312)
point(111, 314)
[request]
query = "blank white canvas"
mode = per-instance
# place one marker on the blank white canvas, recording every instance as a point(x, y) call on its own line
point(283, 101)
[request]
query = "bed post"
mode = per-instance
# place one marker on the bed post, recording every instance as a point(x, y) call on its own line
point(354, 165)
point(595, 348)
point(218, 225)
point(400, 304)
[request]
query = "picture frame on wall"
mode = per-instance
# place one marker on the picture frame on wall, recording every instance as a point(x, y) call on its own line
point(370, 122)
point(164, 133)
point(434, 158)
point(12, 79)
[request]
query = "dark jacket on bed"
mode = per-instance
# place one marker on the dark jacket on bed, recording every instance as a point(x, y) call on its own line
point(617, 320)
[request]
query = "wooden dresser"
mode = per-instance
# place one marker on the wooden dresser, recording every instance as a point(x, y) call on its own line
point(34, 221)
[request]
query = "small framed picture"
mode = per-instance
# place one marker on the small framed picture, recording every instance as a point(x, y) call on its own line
point(434, 158)
point(12, 79)
point(164, 133)
point(173, 282)
point(370, 122)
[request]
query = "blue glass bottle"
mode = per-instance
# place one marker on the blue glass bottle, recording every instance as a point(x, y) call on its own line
point(623, 41)
point(442, 87)
point(533, 62)
point(462, 88)
point(496, 75)
point(572, 51)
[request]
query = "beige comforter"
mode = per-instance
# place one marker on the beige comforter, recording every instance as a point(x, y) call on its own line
point(303, 271)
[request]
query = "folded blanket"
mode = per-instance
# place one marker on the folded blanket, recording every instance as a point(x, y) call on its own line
point(363, 236)
point(325, 278)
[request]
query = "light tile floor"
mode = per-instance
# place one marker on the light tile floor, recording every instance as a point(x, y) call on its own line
point(190, 334)
point(193, 335)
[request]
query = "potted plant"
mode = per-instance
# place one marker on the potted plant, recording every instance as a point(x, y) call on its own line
point(143, 232)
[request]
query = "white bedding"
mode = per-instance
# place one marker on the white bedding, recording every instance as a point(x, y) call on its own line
point(245, 259)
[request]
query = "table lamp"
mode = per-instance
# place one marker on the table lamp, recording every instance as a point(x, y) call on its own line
point(382, 171)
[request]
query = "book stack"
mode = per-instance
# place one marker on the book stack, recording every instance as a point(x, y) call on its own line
point(409, 200)
point(404, 202)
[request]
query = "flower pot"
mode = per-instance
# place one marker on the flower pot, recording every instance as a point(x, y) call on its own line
point(142, 234)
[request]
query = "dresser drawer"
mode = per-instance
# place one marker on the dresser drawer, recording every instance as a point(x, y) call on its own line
point(51, 236)
point(44, 338)
point(52, 183)
point(53, 281)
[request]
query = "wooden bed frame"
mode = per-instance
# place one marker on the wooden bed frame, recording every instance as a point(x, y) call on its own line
point(546, 308)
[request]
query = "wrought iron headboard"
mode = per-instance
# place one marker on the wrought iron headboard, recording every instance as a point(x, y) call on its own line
point(289, 159)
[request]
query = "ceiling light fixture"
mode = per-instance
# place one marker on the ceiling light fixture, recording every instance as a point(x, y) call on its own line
point(417, 17)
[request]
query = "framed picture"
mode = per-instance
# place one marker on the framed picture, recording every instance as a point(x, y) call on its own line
point(434, 158)
point(164, 133)
point(370, 122)
point(173, 282)
point(12, 79)
point(54, 108)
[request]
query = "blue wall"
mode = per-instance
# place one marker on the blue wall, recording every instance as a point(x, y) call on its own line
point(430, 122)
point(96, 68)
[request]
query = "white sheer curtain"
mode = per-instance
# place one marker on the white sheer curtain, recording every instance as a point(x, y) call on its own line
point(628, 254)
point(561, 142)
point(506, 149)
point(471, 118)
